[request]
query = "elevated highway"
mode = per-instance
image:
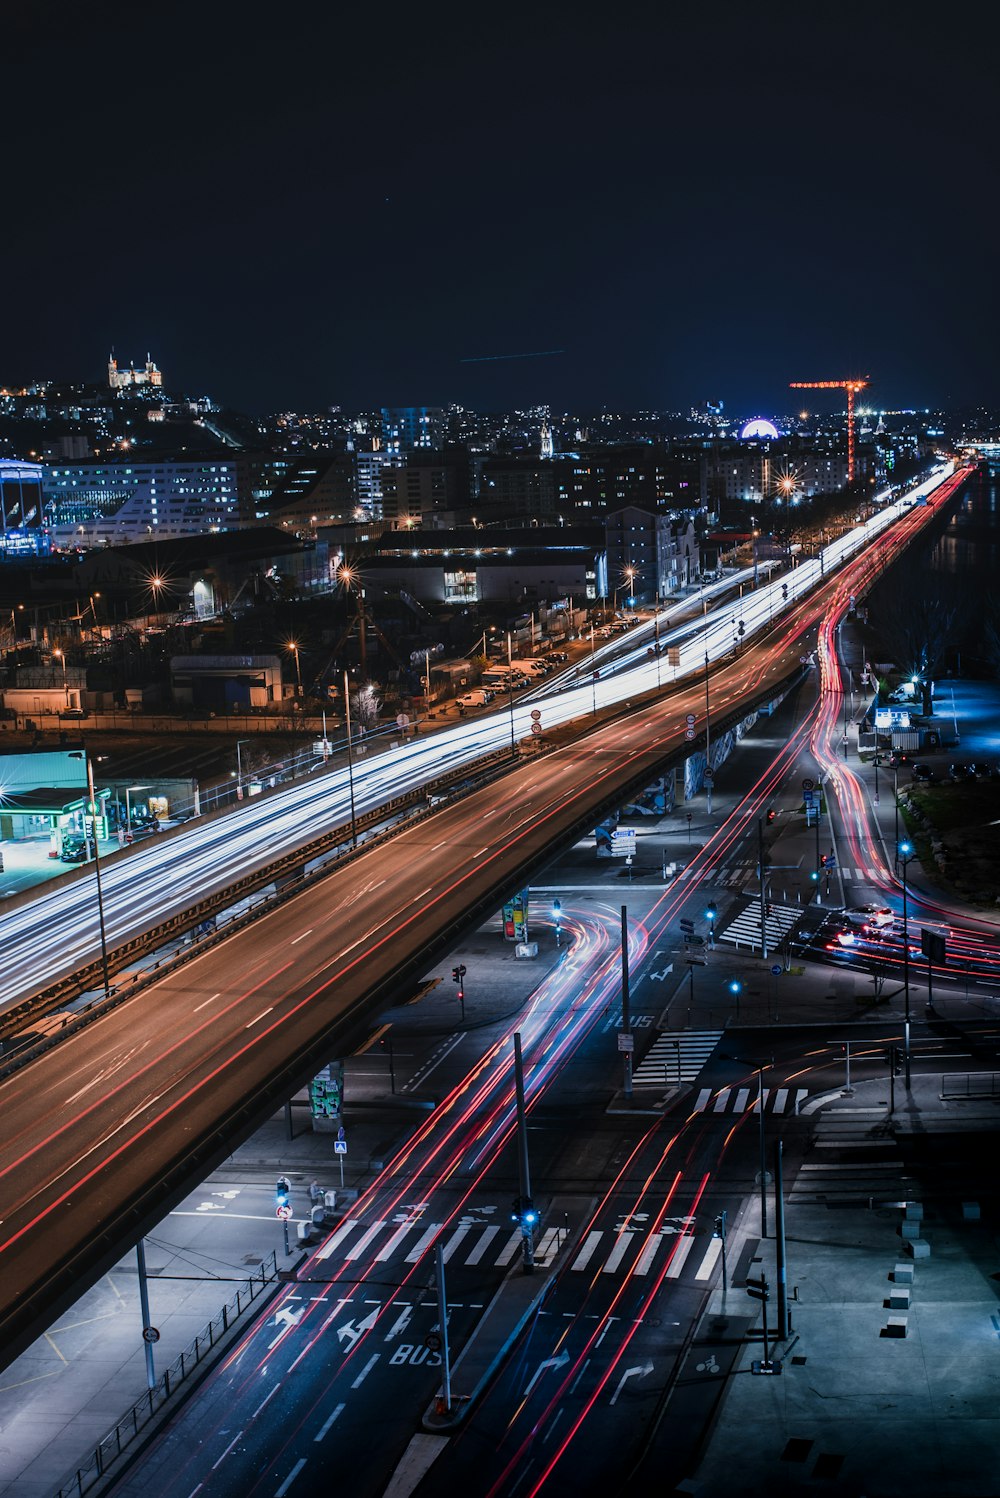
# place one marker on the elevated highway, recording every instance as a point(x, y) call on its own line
point(102, 1133)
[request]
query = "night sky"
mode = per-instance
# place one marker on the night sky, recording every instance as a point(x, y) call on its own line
point(298, 206)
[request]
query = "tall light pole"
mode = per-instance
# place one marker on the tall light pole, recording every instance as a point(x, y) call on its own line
point(350, 761)
point(593, 671)
point(293, 646)
point(510, 693)
point(97, 871)
point(905, 853)
point(630, 575)
point(62, 658)
point(709, 778)
point(239, 769)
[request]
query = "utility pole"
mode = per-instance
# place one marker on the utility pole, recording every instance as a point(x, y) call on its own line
point(781, 1331)
point(626, 1031)
point(761, 870)
point(763, 1154)
point(442, 1301)
point(525, 1210)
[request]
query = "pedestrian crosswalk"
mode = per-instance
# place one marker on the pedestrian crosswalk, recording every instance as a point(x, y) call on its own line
point(738, 875)
point(626, 1248)
point(676, 1058)
point(739, 1099)
point(746, 926)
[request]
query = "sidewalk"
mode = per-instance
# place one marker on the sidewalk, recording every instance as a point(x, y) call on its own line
point(874, 1406)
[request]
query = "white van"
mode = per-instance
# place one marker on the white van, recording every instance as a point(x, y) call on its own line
point(532, 668)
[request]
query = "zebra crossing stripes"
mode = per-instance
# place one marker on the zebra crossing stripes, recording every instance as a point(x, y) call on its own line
point(627, 1249)
point(738, 1100)
point(746, 926)
point(673, 1058)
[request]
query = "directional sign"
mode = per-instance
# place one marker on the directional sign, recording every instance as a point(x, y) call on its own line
point(626, 1040)
point(685, 924)
point(776, 970)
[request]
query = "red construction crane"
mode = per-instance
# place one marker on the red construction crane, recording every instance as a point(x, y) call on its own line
point(853, 388)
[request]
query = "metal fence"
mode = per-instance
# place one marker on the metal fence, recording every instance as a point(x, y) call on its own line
point(110, 1447)
point(975, 1084)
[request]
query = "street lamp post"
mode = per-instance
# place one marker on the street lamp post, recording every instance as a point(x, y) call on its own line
point(62, 658)
point(510, 694)
point(293, 646)
point(239, 769)
point(97, 871)
point(593, 671)
point(350, 760)
point(905, 853)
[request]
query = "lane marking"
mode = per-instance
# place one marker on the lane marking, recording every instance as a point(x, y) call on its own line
point(365, 1371)
point(260, 1017)
point(293, 1474)
point(207, 1002)
point(296, 939)
point(264, 1401)
point(228, 1449)
point(326, 1426)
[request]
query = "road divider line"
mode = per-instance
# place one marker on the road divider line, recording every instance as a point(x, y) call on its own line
point(325, 1427)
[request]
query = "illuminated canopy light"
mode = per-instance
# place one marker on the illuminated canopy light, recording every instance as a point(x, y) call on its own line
point(759, 428)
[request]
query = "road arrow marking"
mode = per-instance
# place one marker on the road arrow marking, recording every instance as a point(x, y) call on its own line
point(659, 977)
point(559, 1362)
point(640, 1371)
point(350, 1333)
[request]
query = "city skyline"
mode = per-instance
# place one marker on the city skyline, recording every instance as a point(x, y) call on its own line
point(555, 210)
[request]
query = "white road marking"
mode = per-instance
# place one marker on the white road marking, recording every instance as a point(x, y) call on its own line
point(293, 1474)
point(296, 939)
point(207, 1002)
point(707, 1264)
point(326, 1425)
point(677, 1262)
point(365, 1371)
point(259, 1017)
point(228, 1449)
point(264, 1401)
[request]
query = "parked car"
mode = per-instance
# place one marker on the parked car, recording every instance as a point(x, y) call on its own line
point(984, 770)
point(960, 771)
point(923, 774)
point(73, 850)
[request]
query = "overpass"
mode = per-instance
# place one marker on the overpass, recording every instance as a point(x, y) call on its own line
point(104, 1132)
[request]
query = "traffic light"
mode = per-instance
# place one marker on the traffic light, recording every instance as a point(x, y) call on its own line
point(522, 1213)
point(784, 591)
point(282, 1191)
point(771, 814)
point(822, 860)
point(710, 912)
point(896, 1060)
point(768, 908)
point(458, 973)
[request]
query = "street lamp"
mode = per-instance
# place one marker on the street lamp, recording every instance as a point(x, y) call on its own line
point(905, 853)
point(557, 914)
point(293, 646)
point(239, 768)
point(630, 574)
point(62, 657)
point(710, 915)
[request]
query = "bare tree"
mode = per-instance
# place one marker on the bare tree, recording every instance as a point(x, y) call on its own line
point(918, 618)
point(366, 704)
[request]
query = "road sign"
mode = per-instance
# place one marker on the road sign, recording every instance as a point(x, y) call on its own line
point(128, 837)
point(623, 842)
point(340, 1146)
point(402, 720)
point(284, 1211)
point(150, 1334)
point(626, 1040)
point(776, 970)
point(696, 961)
point(690, 719)
point(689, 733)
point(808, 785)
point(536, 728)
point(685, 924)
point(536, 714)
